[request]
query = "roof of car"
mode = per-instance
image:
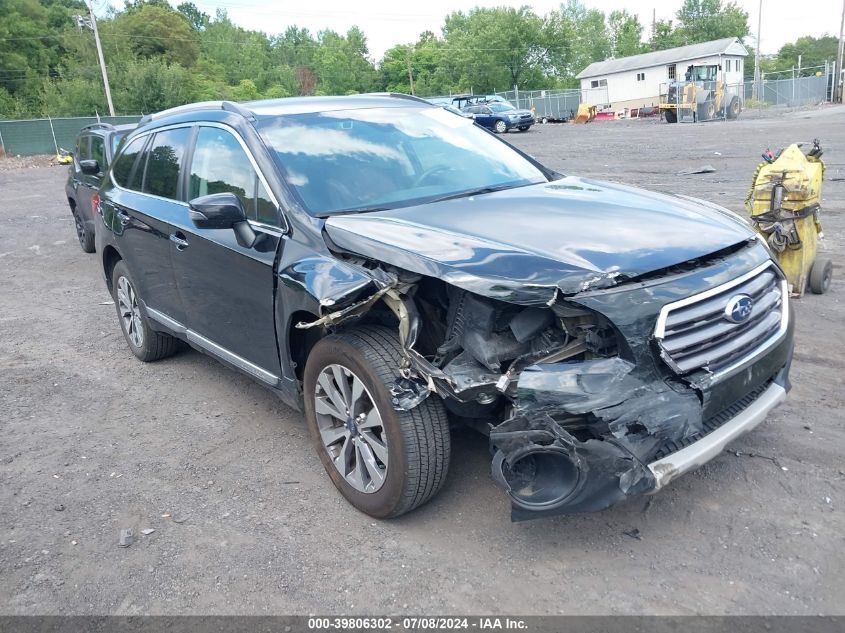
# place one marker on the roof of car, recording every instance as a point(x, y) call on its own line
point(293, 105)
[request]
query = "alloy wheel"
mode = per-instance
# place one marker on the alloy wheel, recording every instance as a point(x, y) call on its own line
point(130, 314)
point(351, 428)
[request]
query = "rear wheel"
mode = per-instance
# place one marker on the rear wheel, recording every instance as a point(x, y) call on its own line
point(820, 276)
point(85, 237)
point(383, 461)
point(671, 116)
point(501, 127)
point(147, 344)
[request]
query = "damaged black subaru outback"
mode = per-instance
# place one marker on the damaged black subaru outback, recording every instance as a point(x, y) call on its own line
point(391, 268)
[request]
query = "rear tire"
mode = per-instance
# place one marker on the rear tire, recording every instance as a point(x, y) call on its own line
point(413, 446)
point(820, 276)
point(147, 344)
point(524, 128)
point(85, 237)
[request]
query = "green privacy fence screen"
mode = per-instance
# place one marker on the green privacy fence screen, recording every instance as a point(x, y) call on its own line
point(36, 136)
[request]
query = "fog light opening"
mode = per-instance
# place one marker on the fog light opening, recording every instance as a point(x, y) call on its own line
point(541, 479)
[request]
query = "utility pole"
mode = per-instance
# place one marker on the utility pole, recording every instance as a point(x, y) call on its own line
point(837, 84)
point(91, 23)
point(757, 86)
point(410, 72)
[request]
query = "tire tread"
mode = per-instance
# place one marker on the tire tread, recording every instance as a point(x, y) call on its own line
point(425, 427)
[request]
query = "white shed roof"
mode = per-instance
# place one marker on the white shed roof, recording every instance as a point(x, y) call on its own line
point(726, 46)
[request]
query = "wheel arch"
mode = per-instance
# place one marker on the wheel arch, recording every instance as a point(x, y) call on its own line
point(110, 258)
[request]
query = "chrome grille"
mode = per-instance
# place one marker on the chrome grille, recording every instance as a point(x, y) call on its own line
point(695, 333)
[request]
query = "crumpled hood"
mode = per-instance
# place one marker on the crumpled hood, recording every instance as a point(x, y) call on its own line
point(524, 245)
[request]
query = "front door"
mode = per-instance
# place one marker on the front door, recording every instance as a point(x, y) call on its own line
point(227, 289)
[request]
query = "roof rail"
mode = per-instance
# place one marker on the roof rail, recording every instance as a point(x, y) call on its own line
point(398, 95)
point(228, 106)
point(95, 126)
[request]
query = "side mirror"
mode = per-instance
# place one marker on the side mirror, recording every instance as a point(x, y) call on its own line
point(222, 211)
point(89, 167)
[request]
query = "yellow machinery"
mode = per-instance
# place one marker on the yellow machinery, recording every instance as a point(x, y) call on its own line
point(784, 206)
point(586, 113)
point(702, 96)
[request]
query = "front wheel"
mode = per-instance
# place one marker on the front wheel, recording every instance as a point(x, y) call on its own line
point(734, 108)
point(671, 116)
point(383, 461)
point(501, 127)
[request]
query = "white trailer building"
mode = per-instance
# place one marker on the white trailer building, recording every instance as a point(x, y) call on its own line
point(634, 82)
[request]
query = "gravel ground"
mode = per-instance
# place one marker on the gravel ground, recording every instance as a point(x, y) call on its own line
point(246, 521)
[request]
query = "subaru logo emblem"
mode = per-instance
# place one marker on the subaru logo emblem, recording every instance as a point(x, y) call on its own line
point(738, 309)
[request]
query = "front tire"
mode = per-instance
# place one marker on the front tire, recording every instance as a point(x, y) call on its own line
point(501, 127)
point(671, 116)
point(147, 344)
point(734, 108)
point(383, 461)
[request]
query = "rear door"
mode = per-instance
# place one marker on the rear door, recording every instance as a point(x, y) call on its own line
point(228, 290)
point(142, 211)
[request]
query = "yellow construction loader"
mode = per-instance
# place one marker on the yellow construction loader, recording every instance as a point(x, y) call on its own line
point(784, 203)
point(702, 96)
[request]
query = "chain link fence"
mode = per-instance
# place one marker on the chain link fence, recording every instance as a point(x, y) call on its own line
point(790, 91)
point(42, 136)
point(548, 105)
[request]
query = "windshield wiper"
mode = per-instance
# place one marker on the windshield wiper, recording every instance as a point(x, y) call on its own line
point(476, 192)
point(331, 214)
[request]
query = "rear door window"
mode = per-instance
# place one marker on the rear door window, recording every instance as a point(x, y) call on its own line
point(221, 165)
point(98, 151)
point(124, 166)
point(164, 159)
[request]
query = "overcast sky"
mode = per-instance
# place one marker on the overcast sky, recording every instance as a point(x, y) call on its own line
point(388, 22)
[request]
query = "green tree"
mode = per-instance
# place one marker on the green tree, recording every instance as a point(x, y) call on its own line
point(156, 32)
point(150, 85)
point(196, 18)
point(625, 34)
point(706, 20)
point(342, 64)
point(812, 51)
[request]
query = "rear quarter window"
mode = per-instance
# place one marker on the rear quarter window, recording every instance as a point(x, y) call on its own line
point(124, 165)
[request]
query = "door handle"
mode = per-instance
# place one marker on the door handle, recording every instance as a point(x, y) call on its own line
point(124, 217)
point(179, 240)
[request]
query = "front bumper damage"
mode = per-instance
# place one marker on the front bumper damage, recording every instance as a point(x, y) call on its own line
point(573, 429)
point(547, 470)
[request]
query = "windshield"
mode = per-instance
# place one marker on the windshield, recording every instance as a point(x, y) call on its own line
point(362, 160)
point(500, 107)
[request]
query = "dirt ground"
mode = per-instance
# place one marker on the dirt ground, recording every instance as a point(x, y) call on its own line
point(246, 521)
